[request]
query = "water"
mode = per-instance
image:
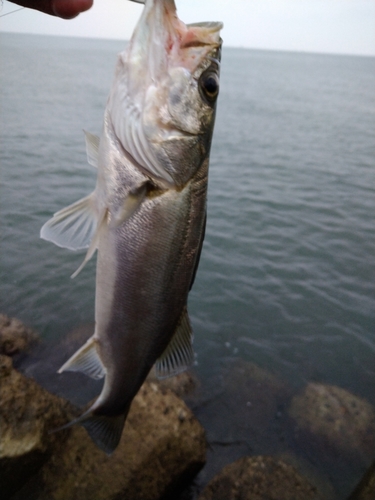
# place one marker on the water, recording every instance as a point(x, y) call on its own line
point(290, 240)
point(286, 278)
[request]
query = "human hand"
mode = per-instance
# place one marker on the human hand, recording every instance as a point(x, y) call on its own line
point(67, 9)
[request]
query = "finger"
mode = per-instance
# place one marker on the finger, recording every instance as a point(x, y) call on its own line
point(67, 9)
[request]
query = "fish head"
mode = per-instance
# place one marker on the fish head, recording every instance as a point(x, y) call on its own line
point(163, 100)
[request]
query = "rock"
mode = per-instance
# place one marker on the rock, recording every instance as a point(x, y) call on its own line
point(162, 447)
point(310, 470)
point(335, 421)
point(27, 413)
point(259, 478)
point(15, 337)
point(366, 487)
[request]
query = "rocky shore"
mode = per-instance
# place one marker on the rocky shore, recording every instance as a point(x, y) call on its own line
point(164, 446)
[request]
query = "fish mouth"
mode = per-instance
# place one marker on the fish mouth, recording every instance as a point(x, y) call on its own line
point(160, 44)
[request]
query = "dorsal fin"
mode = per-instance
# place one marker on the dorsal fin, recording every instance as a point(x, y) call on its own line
point(179, 354)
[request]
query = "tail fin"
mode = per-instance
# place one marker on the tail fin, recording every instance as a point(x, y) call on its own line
point(105, 431)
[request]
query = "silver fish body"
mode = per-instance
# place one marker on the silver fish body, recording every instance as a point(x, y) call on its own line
point(147, 214)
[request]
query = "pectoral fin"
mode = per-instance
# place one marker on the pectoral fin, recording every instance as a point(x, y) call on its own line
point(94, 242)
point(126, 210)
point(74, 226)
point(179, 354)
point(85, 360)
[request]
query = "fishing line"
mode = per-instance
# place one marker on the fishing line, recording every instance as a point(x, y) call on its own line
point(12, 11)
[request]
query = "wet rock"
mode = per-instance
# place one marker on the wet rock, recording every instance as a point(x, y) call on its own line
point(259, 478)
point(15, 337)
point(366, 487)
point(335, 421)
point(27, 413)
point(322, 480)
point(161, 448)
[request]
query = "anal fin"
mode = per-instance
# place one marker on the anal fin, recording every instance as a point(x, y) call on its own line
point(179, 354)
point(85, 360)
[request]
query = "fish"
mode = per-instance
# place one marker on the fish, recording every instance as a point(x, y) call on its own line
point(147, 214)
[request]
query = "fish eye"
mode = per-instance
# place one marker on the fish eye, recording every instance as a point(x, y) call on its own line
point(209, 83)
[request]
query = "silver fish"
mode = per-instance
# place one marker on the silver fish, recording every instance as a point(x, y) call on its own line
point(146, 216)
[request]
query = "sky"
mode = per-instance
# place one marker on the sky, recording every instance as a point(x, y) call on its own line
point(324, 26)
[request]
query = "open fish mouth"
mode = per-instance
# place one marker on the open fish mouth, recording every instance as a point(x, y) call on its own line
point(163, 57)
